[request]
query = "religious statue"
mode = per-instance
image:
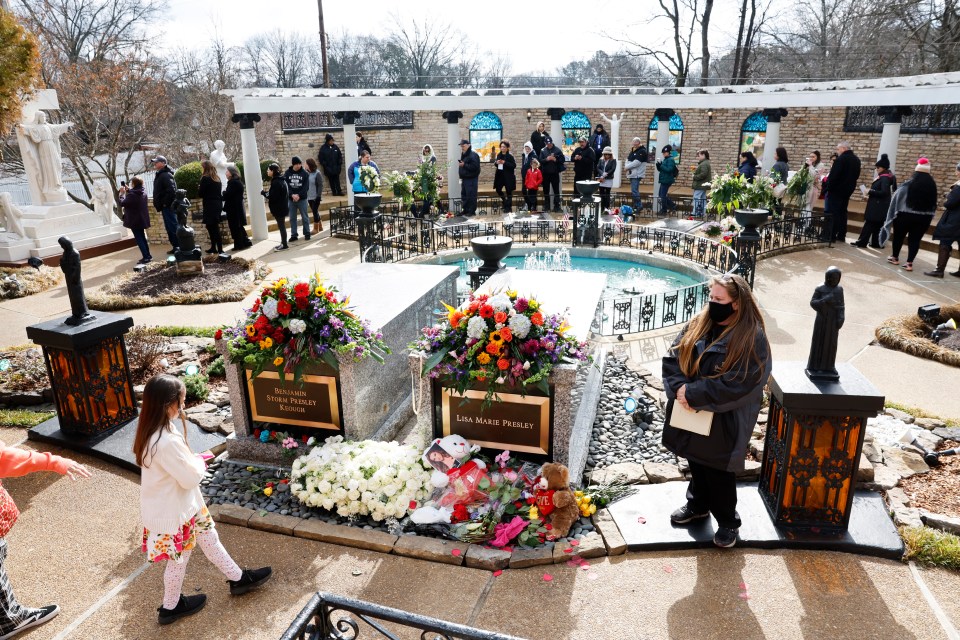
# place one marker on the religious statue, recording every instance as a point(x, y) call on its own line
point(10, 217)
point(186, 236)
point(614, 123)
point(70, 265)
point(219, 160)
point(104, 204)
point(42, 156)
point(828, 302)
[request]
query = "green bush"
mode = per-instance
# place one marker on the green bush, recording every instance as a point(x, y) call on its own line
point(196, 387)
point(21, 418)
point(263, 169)
point(931, 547)
point(188, 177)
point(217, 368)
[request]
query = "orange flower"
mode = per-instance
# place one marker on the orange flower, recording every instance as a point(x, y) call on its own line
point(503, 364)
point(493, 349)
point(506, 334)
point(486, 311)
point(483, 358)
point(455, 319)
point(500, 317)
point(537, 318)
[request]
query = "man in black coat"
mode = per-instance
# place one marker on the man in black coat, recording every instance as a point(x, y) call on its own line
point(331, 159)
point(164, 195)
point(551, 164)
point(233, 207)
point(842, 180)
point(599, 140)
point(584, 161)
point(469, 172)
point(297, 187)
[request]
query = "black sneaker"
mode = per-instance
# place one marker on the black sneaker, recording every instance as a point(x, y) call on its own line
point(281, 247)
point(725, 538)
point(34, 618)
point(172, 251)
point(187, 606)
point(306, 238)
point(685, 514)
point(250, 579)
point(294, 238)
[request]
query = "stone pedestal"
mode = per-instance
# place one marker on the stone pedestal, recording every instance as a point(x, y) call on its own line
point(189, 262)
point(44, 224)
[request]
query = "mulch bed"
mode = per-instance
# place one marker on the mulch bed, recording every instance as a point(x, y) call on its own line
point(911, 335)
point(159, 285)
point(939, 490)
point(17, 282)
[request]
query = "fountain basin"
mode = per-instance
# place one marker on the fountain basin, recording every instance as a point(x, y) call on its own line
point(491, 249)
point(587, 187)
point(368, 202)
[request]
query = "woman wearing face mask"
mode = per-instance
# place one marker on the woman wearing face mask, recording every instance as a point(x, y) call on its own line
point(720, 362)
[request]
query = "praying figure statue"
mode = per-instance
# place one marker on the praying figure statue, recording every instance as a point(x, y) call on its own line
point(828, 302)
point(42, 156)
point(104, 204)
point(10, 217)
point(70, 265)
point(186, 236)
point(614, 123)
point(219, 160)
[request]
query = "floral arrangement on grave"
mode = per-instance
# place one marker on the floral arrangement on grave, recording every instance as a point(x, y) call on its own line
point(799, 186)
point(298, 323)
point(290, 444)
point(368, 478)
point(401, 184)
point(731, 191)
point(503, 341)
point(369, 179)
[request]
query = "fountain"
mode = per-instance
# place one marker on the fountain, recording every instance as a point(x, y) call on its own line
point(558, 260)
point(490, 249)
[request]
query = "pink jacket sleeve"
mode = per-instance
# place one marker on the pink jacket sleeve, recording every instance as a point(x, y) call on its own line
point(16, 462)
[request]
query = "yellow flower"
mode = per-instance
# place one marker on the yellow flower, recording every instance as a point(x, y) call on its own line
point(280, 283)
point(579, 494)
point(586, 499)
point(533, 305)
point(483, 358)
point(277, 361)
point(319, 291)
point(593, 509)
point(495, 337)
point(268, 491)
point(251, 331)
point(266, 343)
point(534, 514)
point(512, 294)
point(262, 345)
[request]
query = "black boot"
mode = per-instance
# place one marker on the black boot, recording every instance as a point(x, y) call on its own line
point(942, 258)
point(249, 579)
point(187, 606)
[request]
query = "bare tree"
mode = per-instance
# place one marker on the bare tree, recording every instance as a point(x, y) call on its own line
point(751, 22)
point(705, 43)
point(424, 53)
point(676, 55)
point(277, 59)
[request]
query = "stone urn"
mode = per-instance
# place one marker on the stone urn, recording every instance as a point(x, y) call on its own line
point(491, 249)
point(587, 188)
point(368, 203)
point(750, 219)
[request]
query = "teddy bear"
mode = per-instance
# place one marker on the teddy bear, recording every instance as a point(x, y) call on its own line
point(555, 500)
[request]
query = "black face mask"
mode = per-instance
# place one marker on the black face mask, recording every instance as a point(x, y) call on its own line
point(719, 311)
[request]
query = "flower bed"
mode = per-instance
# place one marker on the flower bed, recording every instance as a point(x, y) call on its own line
point(17, 282)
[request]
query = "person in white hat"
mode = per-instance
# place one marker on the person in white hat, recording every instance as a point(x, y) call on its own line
point(606, 167)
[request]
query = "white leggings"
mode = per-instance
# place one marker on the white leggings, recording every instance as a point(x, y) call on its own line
point(175, 572)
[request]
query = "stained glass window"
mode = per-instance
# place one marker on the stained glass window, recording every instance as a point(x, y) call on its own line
point(676, 137)
point(575, 124)
point(753, 134)
point(486, 131)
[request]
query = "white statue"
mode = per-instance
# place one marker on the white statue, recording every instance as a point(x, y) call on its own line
point(42, 156)
point(615, 143)
point(104, 203)
point(219, 160)
point(10, 216)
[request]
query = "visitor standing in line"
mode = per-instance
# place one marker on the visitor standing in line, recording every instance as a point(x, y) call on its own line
point(532, 181)
point(353, 171)
point(14, 463)
point(175, 518)
point(469, 172)
point(164, 195)
point(947, 230)
point(818, 172)
point(668, 169)
point(505, 176)
point(427, 155)
point(551, 163)
point(277, 202)
point(878, 203)
point(233, 207)
point(314, 191)
point(210, 192)
point(842, 180)
point(599, 141)
point(702, 176)
point(720, 363)
point(136, 216)
point(748, 165)
point(606, 167)
point(539, 138)
point(636, 167)
point(362, 145)
point(528, 155)
point(331, 159)
point(297, 178)
point(584, 163)
point(780, 171)
point(911, 211)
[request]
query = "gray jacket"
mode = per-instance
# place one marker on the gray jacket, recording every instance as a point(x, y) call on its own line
point(898, 204)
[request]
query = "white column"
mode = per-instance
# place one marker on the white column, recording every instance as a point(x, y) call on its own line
point(663, 139)
point(556, 132)
point(453, 156)
point(251, 173)
point(349, 149)
point(889, 141)
point(772, 139)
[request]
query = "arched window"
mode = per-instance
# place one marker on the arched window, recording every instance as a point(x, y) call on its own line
point(486, 131)
point(575, 124)
point(753, 134)
point(676, 135)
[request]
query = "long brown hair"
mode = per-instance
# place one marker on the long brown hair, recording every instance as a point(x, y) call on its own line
point(210, 171)
point(158, 394)
point(742, 331)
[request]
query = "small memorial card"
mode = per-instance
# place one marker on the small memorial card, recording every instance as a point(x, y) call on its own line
point(690, 420)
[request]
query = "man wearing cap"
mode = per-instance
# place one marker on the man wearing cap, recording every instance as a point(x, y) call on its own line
point(551, 164)
point(164, 195)
point(469, 178)
point(297, 187)
point(668, 173)
point(584, 160)
point(636, 167)
point(528, 155)
point(841, 182)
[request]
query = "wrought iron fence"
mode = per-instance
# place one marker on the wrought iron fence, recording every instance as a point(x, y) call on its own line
point(332, 617)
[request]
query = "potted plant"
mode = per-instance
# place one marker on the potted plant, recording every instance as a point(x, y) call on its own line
point(750, 202)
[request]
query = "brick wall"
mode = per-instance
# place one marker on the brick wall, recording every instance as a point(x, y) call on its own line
point(802, 131)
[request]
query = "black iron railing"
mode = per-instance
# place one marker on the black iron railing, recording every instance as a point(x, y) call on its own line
point(332, 617)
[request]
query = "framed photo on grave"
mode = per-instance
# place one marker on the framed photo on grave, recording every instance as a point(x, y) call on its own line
point(521, 424)
point(313, 405)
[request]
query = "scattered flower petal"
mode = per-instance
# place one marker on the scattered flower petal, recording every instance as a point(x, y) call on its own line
point(574, 543)
point(547, 577)
point(592, 576)
point(568, 550)
point(743, 586)
point(745, 596)
point(498, 572)
point(641, 520)
point(455, 552)
point(667, 568)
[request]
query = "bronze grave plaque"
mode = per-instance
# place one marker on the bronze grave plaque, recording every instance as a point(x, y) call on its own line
point(518, 423)
point(314, 405)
